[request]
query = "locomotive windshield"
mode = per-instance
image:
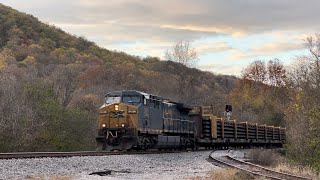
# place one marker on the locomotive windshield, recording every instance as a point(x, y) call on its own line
point(131, 99)
point(112, 99)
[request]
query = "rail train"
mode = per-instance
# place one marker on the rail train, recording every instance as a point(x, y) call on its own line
point(131, 119)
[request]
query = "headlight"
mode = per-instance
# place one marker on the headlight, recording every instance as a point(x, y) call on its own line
point(116, 107)
point(103, 125)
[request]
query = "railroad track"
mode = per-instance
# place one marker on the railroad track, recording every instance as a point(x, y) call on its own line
point(254, 169)
point(22, 155)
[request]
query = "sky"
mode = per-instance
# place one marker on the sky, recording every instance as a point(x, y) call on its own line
point(227, 34)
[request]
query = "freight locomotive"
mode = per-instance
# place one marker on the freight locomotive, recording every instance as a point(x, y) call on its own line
point(135, 120)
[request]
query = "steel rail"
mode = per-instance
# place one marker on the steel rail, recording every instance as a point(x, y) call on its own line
point(287, 175)
point(260, 171)
point(242, 169)
point(22, 155)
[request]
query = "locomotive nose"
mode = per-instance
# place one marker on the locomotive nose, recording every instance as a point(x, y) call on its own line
point(117, 123)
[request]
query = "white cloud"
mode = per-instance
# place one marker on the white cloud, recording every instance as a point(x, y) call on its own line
point(207, 47)
point(220, 68)
point(276, 47)
point(208, 16)
point(237, 54)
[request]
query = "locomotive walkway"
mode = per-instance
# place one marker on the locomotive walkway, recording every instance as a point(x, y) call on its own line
point(253, 169)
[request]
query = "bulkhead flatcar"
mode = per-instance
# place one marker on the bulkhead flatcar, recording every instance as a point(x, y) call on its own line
point(222, 132)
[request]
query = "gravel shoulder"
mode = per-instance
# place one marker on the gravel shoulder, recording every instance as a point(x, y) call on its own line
point(147, 166)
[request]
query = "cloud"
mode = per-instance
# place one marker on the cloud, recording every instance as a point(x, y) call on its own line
point(264, 50)
point(132, 32)
point(217, 30)
point(207, 47)
point(276, 47)
point(146, 49)
point(219, 68)
point(206, 16)
point(236, 54)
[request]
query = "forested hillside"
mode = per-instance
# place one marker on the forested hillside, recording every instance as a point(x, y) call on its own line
point(52, 84)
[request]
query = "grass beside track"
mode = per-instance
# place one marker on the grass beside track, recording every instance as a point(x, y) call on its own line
point(250, 168)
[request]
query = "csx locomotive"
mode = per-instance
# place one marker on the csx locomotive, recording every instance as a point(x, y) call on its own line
point(135, 120)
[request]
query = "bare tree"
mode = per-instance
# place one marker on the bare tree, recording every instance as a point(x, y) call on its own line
point(303, 112)
point(276, 73)
point(313, 46)
point(256, 71)
point(182, 52)
point(65, 81)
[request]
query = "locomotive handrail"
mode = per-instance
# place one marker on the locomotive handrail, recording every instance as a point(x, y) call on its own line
point(178, 119)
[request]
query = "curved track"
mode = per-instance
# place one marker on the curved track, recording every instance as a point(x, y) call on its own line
point(22, 155)
point(254, 169)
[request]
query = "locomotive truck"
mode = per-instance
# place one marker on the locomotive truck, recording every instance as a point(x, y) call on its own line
point(131, 119)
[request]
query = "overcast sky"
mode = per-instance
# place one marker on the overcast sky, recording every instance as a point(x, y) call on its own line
point(227, 34)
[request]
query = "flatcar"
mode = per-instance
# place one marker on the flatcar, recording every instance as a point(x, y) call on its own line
point(131, 119)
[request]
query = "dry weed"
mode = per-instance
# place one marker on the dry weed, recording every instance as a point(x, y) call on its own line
point(297, 170)
point(230, 174)
point(264, 157)
point(272, 159)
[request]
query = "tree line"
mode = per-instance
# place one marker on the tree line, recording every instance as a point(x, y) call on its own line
point(269, 92)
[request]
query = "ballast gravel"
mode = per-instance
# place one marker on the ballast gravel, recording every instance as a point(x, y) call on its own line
point(184, 165)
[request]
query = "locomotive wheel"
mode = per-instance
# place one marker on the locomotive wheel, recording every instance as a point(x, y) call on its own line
point(145, 143)
point(115, 142)
point(101, 145)
point(104, 145)
point(126, 144)
point(195, 147)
